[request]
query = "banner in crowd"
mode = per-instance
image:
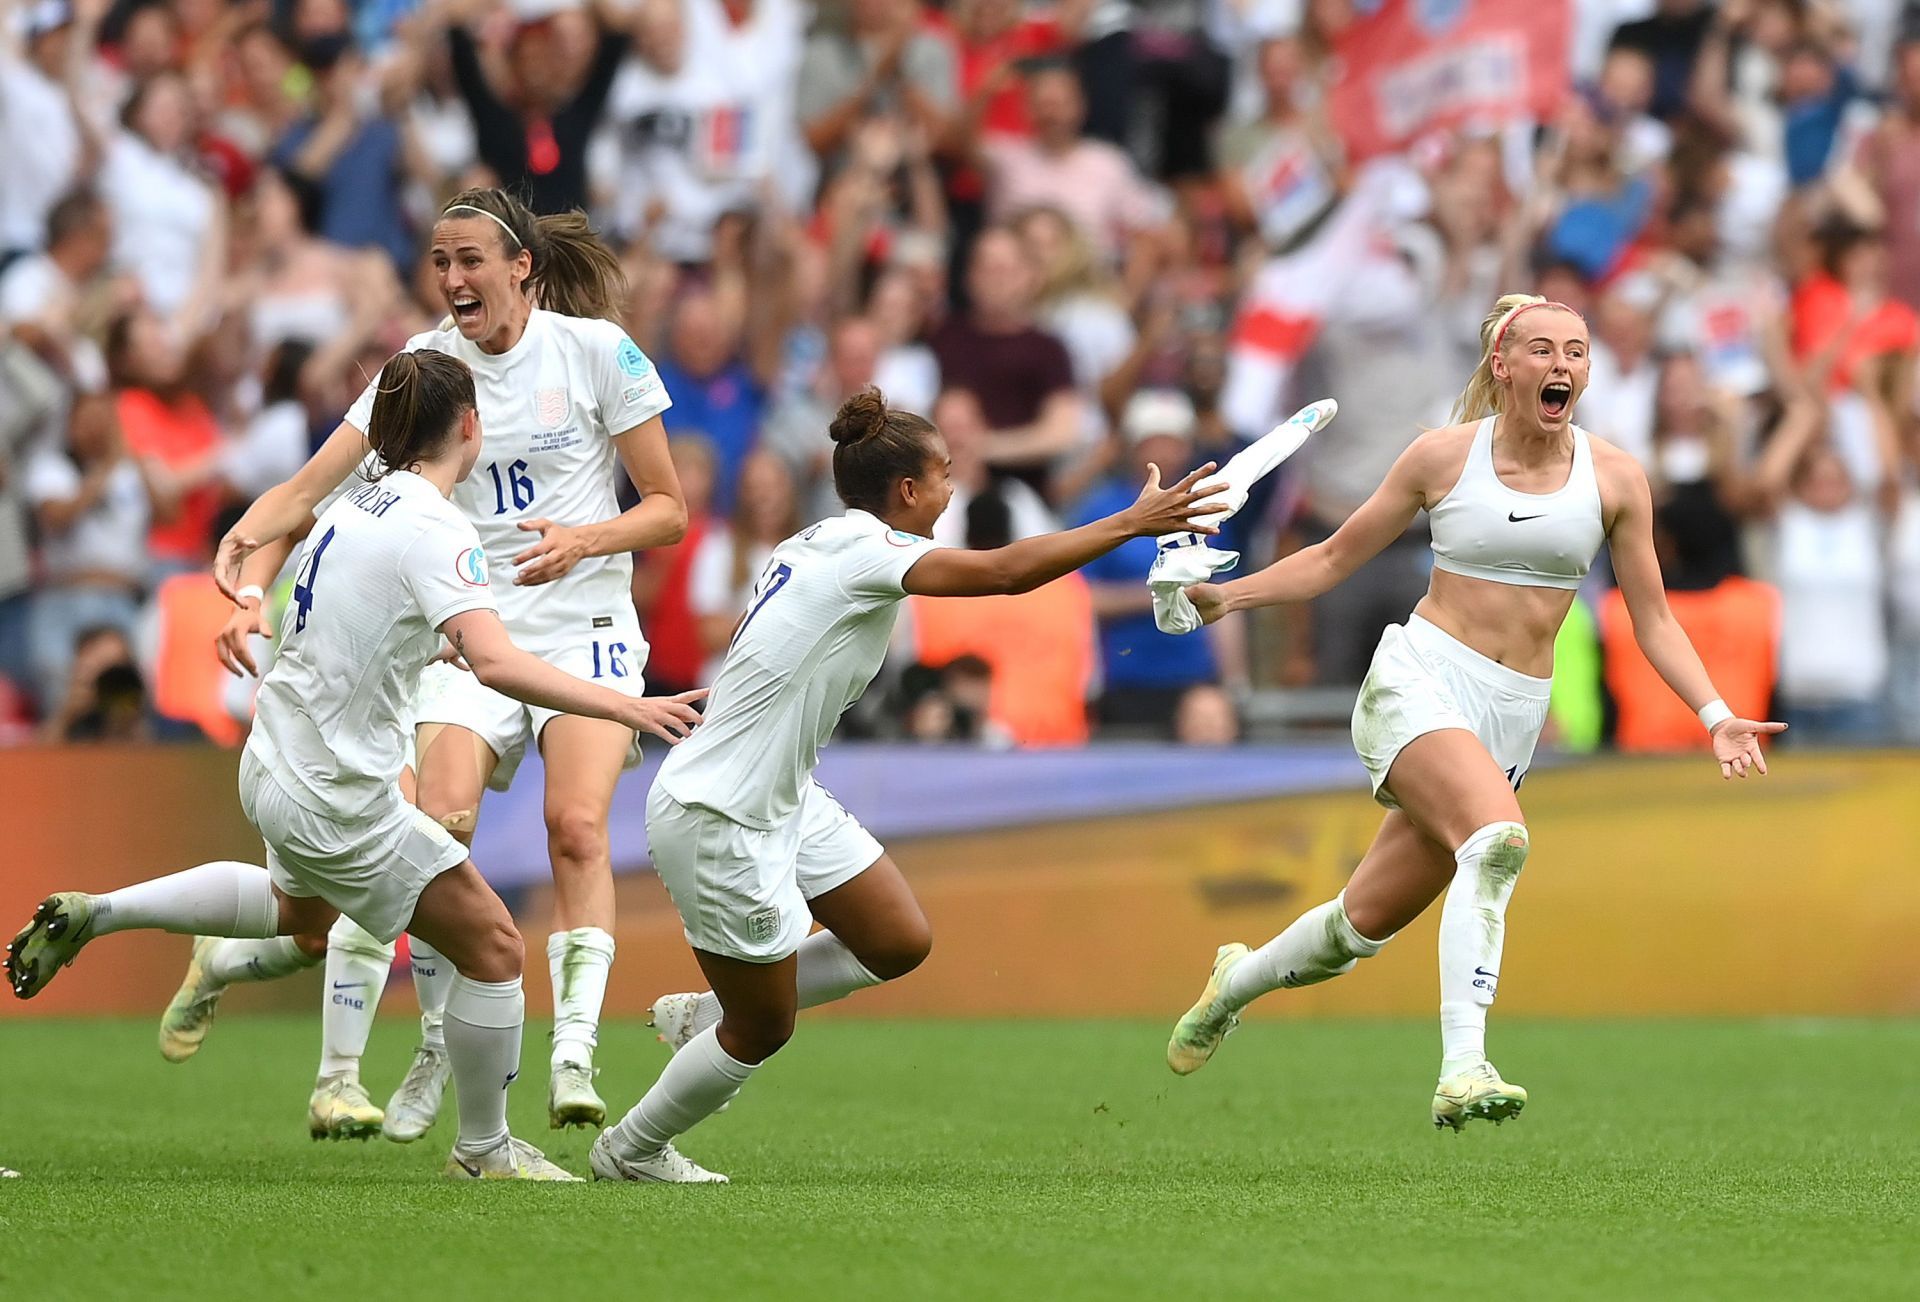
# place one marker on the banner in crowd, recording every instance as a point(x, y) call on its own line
point(1414, 66)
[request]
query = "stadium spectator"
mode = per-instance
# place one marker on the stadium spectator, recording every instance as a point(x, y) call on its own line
point(1022, 375)
point(1081, 304)
point(662, 576)
point(1144, 672)
point(92, 504)
point(105, 696)
point(796, 427)
point(169, 429)
point(44, 296)
point(730, 561)
point(39, 136)
point(714, 390)
point(880, 61)
point(906, 370)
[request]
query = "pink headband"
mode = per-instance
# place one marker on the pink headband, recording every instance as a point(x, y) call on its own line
point(1501, 338)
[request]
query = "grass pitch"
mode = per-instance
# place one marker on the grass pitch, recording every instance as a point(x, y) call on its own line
point(976, 1160)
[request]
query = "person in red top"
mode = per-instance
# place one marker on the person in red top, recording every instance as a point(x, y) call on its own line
point(661, 576)
point(1842, 315)
point(172, 433)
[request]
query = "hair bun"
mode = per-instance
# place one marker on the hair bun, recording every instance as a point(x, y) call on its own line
point(860, 417)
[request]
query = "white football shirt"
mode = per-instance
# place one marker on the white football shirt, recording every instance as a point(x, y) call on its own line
point(549, 407)
point(810, 642)
point(385, 566)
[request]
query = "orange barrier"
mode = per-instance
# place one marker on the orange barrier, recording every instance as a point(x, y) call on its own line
point(1736, 629)
point(1654, 889)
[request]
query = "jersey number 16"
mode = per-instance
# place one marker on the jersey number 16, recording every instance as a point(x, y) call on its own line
point(517, 484)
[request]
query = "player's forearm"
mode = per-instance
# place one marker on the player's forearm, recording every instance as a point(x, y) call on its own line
point(660, 520)
point(1035, 562)
point(276, 513)
point(1302, 576)
point(262, 566)
point(526, 677)
point(1672, 656)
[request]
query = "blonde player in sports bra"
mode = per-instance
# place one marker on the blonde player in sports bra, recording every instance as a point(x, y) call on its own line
point(751, 848)
point(567, 399)
point(392, 569)
point(1520, 500)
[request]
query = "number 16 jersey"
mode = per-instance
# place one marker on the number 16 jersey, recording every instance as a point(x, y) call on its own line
point(549, 407)
point(811, 641)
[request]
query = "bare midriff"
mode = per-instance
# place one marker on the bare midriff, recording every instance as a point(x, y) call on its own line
point(1505, 622)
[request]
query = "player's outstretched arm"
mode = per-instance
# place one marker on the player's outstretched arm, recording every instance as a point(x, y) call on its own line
point(1031, 562)
point(480, 639)
point(287, 508)
point(1636, 568)
point(1313, 570)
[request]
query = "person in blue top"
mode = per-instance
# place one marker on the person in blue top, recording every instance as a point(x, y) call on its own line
point(1145, 671)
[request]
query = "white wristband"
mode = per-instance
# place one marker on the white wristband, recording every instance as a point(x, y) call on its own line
point(1713, 714)
point(251, 590)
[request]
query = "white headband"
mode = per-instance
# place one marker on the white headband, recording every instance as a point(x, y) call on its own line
point(518, 243)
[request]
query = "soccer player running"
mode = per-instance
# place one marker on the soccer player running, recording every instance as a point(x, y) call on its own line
point(751, 848)
point(563, 393)
point(1520, 500)
point(391, 568)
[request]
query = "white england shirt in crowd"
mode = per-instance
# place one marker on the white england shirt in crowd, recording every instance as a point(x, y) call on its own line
point(110, 537)
point(549, 408)
point(161, 212)
point(809, 645)
point(41, 143)
point(385, 566)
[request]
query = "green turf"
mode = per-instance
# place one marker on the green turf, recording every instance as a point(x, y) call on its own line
point(971, 1160)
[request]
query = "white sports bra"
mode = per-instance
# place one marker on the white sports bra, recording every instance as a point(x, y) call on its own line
point(1484, 530)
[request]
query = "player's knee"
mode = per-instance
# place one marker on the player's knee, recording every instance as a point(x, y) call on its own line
point(496, 952)
point(576, 836)
point(311, 944)
point(901, 953)
point(1503, 852)
point(756, 1035)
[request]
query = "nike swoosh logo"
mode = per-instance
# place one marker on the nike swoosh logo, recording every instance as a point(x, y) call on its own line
point(467, 1166)
point(1516, 519)
point(1480, 971)
point(347, 985)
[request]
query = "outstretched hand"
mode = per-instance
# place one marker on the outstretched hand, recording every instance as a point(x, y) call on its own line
point(1209, 601)
point(1183, 506)
point(668, 717)
point(227, 561)
point(561, 547)
point(233, 642)
point(1736, 744)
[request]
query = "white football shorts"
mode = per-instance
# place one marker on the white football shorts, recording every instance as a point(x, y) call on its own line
point(743, 893)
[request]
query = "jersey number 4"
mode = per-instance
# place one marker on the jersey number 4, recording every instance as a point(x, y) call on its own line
point(304, 577)
point(775, 579)
point(517, 484)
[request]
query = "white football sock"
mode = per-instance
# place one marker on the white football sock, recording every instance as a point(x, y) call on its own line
point(233, 962)
point(432, 979)
point(222, 898)
point(484, 1020)
point(1473, 929)
point(1320, 944)
point(827, 971)
point(579, 961)
point(357, 968)
point(697, 1082)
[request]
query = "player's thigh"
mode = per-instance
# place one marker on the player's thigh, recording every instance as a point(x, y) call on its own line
point(307, 916)
point(584, 760)
point(1450, 786)
point(876, 916)
point(453, 765)
point(1403, 871)
point(463, 918)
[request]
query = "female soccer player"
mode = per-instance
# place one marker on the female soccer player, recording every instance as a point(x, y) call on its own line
point(562, 393)
point(1519, 499)
point(392, 568)
point(751, 848)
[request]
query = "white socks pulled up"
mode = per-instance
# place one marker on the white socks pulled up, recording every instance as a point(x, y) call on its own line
point(827, 971)
point(357, 967)
point(236, 962)
point(432, 982)
point(483, 1025)
point(1320, 944)
point(223, 898)
point(579, 961)
point(1473, 930)
point(698, 1081)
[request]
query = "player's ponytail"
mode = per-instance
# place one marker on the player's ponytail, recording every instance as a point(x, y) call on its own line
point(574, 273)
point(874, 448)
point(420, 397)
point(1482, 396)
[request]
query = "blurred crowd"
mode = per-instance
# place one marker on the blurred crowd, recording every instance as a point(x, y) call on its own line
point(1082, 237)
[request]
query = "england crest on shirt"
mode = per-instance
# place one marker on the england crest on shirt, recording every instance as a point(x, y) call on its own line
point(550, 406)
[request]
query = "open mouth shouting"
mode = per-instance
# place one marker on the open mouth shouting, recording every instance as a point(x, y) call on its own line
point(466, 308)
point(1555, 398)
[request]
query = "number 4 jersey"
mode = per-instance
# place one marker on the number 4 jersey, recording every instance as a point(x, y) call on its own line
point(812, 639)
point(386, 565)
point(549, 407)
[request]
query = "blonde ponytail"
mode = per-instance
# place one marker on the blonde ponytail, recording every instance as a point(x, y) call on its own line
point(1481, 398)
